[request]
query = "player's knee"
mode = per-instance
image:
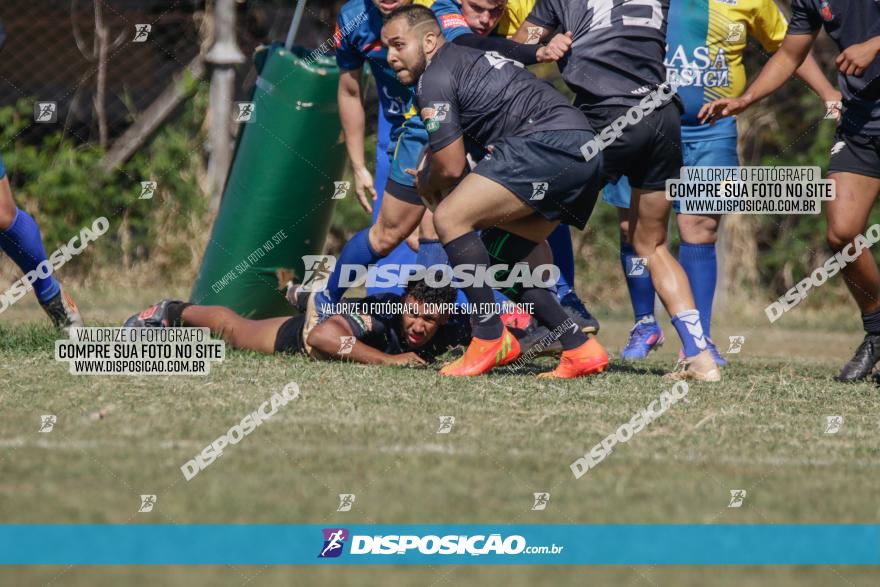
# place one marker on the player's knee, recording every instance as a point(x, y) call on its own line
point(645, 245)
point(839, 235)
point(698, 230)
point(447, 223)
point(384, 238)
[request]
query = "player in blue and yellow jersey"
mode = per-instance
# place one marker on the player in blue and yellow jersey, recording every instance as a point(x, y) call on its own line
point(706, 40)
point(854, 26)
point(357, 44)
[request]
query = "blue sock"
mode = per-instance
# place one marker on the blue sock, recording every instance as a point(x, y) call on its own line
point(701, 266)
point(357, 251)
point(690, 331)
point(24, 245)
point(431, 252)
point(641, 288)
point(563, 257)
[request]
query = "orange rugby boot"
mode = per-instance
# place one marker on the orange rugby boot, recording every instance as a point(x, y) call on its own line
point(588, 359)
point(483, 355)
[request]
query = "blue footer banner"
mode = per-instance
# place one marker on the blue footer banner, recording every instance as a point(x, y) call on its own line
point(250, 544)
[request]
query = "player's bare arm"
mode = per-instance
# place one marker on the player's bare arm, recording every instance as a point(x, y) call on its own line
point(779, 69)
point(529, 33)
point(812, 75)
point(326, 339)
point(352, 116)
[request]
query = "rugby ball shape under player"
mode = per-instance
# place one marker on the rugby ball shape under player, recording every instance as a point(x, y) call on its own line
point(424, 162)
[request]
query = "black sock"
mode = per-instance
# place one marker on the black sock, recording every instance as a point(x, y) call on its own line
point(549, 313)
point(508, 249)
point(175, 313)
point(872, 322)
point(468, 249)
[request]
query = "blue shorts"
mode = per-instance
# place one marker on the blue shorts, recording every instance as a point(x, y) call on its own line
point(714, 153)
point(411, 140)
point(2, 168)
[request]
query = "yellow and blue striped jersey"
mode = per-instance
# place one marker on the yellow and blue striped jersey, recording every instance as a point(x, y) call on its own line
point(706, 39)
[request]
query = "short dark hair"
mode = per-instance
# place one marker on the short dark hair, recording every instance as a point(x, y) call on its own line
point(426, 294)
point(415, 14)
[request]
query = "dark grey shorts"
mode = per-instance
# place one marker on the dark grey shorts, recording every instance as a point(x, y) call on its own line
point(547, 171)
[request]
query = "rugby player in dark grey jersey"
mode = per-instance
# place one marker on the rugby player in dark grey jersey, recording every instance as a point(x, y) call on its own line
point(531, 178)
point(615, 68)
point(854, 25)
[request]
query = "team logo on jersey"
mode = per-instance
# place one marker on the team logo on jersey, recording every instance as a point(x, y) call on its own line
point(838, 147)
point(451, 21)
point(827, 15)
point(334, 540)
point(434, 115)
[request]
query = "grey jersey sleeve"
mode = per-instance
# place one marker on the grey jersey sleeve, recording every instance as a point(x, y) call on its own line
point(804, 18)
point(546, 14)
point(438, 106)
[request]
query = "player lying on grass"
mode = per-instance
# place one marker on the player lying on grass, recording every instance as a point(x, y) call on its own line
point(855, 157)
point(409, 335)
point(533, 138)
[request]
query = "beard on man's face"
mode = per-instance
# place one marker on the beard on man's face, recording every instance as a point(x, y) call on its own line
point(413, 72)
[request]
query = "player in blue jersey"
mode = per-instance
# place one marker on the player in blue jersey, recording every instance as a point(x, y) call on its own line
point(704, 58)
point(854, 26)
point(20, 239)
point(357, 43)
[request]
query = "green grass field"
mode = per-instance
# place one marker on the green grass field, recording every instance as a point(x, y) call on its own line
point(373, 432)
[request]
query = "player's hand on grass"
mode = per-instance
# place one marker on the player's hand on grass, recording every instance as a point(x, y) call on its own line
point(405, 359)
point(856, 58)
point(716, 109)
point(363, 183)
point(556, 49)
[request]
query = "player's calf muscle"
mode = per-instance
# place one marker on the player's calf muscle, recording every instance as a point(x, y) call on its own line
point(7, 204)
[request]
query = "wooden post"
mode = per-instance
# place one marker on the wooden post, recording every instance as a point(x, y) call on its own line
point(223, 56)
